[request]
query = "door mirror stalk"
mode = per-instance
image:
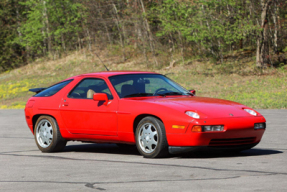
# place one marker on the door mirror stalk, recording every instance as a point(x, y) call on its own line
point(101, 97)
point(192, 92)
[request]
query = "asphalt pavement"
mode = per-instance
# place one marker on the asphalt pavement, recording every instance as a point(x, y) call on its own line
point(105, 167)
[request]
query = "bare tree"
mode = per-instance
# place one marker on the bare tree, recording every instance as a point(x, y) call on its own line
point(262, 53)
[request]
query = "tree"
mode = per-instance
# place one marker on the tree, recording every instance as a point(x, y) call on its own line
point(11, 53)
point(48, 23)
point(210, 25)
point(262, 53)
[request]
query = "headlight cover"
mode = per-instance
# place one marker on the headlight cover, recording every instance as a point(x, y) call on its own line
point(208, 128)
point(192, 114)
point(251, 112)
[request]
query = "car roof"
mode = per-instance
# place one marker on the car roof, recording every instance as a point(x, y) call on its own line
point(112, 73)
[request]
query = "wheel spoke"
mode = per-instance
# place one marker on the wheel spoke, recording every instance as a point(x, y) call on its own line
point(153, 134)
point(41, 134)
point(142, 143)
point(142, 137)
point(41, 129)
point(39, 138)
point(145, 130)
point(149, 129)
point(49, 141)
point(145, 144)
point(49, 135)
point(153, 142)
point(43, 140)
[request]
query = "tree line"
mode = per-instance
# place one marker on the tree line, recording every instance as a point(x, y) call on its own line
point(30, 29)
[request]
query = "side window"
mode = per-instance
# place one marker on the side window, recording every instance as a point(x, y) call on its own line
point(87, 87)
point(53, 89)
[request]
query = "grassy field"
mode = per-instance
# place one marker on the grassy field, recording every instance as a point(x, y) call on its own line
point(260, 90)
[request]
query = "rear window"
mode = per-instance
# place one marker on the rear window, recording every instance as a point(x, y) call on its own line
point(53, 89)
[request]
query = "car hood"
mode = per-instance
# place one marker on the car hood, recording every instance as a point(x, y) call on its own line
point(206, 107)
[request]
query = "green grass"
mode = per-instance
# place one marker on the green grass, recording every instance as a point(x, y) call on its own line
point(260, 92)
point(267, 90)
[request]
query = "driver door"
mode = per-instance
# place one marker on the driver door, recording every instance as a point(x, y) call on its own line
point(82, 115)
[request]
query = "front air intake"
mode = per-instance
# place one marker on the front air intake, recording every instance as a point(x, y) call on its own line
point(233, 141)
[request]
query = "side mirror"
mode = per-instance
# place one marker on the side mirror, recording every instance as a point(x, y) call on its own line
point(101, 97)
point(192, 91)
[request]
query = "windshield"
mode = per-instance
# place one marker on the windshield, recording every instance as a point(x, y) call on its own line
point(145, 85)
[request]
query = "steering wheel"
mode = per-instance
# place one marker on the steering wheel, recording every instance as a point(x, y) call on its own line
point(76, 95)
point(159, 90)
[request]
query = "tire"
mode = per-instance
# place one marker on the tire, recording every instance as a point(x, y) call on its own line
point(47, 135)
point(151, 138)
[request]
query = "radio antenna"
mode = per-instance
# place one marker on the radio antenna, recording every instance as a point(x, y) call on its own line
point(102, 61)
point(168, 74)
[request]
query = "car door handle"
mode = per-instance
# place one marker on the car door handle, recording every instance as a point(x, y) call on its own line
point(65, 104)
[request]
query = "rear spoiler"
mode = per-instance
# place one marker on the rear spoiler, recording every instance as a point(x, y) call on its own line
point(37, 90)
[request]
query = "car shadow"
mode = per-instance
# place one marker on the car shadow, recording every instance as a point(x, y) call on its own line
point(228, 154)
point(114, 149)
point(102, 148)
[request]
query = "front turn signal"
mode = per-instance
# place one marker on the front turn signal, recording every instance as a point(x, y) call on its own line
point(196, 128)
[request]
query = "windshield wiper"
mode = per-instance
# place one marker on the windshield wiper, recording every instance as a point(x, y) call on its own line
point(170, 93)
point(138, 95)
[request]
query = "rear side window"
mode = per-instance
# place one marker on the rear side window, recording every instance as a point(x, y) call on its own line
point(53, 89)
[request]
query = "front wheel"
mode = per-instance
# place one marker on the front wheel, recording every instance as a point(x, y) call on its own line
point(151, 138)
point(47, 135)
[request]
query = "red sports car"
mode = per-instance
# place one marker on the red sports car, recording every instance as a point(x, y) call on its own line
point(138, 108)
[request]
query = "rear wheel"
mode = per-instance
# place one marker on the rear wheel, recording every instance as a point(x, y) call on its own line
point(47, 135)
point(151, 138)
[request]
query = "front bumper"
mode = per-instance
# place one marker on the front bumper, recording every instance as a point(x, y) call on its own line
point(237, 131)
point(28, 117)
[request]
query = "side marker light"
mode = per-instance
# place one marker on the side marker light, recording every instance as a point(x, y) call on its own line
point(178, 126)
